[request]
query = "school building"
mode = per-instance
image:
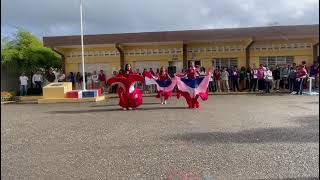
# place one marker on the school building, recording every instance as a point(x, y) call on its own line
point(214, 47)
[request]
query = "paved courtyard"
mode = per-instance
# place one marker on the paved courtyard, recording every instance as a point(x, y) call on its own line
point(230, 137)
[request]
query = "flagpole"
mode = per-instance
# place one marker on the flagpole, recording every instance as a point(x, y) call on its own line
point(82, 50)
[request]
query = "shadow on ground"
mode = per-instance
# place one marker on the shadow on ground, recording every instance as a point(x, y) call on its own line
point(108, 105)
point(115, 109)
point(308, 131)
point(300, 178)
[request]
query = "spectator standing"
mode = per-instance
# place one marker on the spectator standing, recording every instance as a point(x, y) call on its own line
point(217, 77)
point(79, 80)
point(276, 78)
point(23, 84)
point(301, 76)
point(253, 79)
point(89, 81)
point(50, 76)
point(235, 79)
point(72, 79)
point(230, 78)
point(37, 81)
point(61, 77)
point(95, 80)
point(314, 72)
point(243, 74)
point(102, 81)
point(152, 86)
point(268, 80)
point(248, 78)
point(285, 75)
point(292, 77)
point(225, 80)
point(260, 77)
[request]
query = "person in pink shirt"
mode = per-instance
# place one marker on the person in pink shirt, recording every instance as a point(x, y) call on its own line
point(217, 78)
point(260, 77)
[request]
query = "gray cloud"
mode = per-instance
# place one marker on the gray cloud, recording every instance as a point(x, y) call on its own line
point(61, 17)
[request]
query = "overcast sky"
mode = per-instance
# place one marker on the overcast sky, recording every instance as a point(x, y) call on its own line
point(61, 17)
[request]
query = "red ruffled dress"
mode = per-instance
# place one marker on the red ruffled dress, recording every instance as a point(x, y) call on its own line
point(129, 97)
point(164, 77)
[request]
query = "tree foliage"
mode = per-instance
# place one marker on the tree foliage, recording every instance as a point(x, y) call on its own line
point(26, 53)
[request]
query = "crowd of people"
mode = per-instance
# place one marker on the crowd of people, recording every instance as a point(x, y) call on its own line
point(292, 78)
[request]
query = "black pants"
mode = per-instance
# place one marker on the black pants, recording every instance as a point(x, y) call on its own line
point(38, 87)
point(253, 85)
point(210, 86)
point(268, 86)
point(299, 86)
point(261, 84)
point(235, 84)
point(292, 85)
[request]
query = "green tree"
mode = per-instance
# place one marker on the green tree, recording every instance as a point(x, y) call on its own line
point(26, 53)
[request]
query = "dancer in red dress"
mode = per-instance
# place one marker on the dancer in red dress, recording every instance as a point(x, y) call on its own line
point(164, 79)
point(129, 96)
point(193, 87)
point(164, 84)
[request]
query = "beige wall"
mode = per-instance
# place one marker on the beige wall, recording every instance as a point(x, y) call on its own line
point(113, 61)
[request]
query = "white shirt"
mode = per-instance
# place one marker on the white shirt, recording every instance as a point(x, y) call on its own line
point(255, 72)
point(62, 77)
point(23, 80)
point(36, 77)
point(95, 77)
point(224, 75)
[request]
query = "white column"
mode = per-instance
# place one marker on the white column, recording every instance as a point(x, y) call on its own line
point(82, 49)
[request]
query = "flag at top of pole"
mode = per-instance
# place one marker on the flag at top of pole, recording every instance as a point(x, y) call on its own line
point(82, 49)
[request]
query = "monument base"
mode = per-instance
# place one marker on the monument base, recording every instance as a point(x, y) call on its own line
point(71, 100)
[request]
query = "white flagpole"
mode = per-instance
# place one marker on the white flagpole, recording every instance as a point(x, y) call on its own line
point(82, 49)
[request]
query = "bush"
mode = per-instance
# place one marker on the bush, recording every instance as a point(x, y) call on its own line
point(7, 96)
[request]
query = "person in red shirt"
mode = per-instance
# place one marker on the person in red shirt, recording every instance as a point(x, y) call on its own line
point(102, 80)
point(301, 76)
point(217, 78)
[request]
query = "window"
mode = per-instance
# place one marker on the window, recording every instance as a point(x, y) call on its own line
point(209, 49)
point(101, 53)
point(308, 46)
point(283, 46)
point(302, 45)
point(214, 49)
point(273, 61)
point(155, 51)
point(224, 62)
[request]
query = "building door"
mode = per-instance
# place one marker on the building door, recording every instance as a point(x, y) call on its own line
point(196, 63)
point(177, 64)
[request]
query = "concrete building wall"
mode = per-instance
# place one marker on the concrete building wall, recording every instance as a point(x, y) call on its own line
point(161, 54)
